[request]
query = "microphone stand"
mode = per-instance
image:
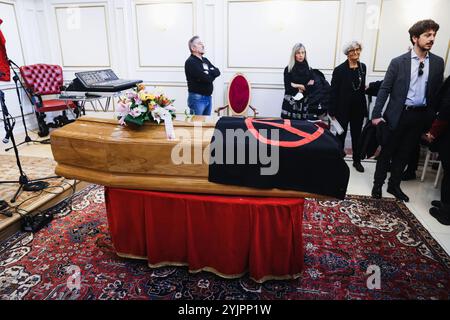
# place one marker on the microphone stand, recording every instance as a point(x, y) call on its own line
point(17, 80)
point(25, 183)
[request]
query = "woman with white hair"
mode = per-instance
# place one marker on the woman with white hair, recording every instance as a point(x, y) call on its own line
point(348, 100)
point(297, 78)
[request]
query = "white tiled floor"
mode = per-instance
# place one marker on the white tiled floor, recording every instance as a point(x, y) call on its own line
point(420, 193)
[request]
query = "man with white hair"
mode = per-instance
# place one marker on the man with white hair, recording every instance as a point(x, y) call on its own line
point(200, 74)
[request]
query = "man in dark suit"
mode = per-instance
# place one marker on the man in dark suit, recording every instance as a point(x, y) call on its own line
point(411, 82)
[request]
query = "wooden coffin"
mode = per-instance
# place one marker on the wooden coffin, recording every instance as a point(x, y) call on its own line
point(103, 152)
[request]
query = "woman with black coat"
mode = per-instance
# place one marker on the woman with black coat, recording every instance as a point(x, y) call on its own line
point(297, 78)
point(348, 100)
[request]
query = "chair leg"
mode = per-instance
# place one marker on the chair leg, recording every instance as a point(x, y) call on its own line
point(43, 128)
point(425, 165)
point(438, 175)
point(255, 112)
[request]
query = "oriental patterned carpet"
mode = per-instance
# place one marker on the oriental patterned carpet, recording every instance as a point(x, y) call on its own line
point(342, 239)
point(34, 168)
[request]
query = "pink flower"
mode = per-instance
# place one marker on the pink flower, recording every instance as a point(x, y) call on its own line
point(135, 112)
point(132, 95)
point(123, 107)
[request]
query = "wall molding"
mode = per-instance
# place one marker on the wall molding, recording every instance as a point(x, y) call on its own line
point(84, 5)
point(336, 49)
point(153, 2)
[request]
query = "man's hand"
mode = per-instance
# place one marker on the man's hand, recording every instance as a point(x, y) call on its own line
point(377, 121)
point(310, 83)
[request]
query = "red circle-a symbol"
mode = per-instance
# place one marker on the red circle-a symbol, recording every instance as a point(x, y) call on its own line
point(306, 137)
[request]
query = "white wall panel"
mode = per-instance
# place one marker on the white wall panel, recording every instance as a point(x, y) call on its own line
point(267, 99)
point(359, 21)
point(163, 30)
point(397, 16)
point(10, 30)
point(83, 36)
point(177, 91)
point(261, 33)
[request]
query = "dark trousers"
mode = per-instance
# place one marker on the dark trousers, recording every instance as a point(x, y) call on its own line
point(413, 161)
point(356, 121)
point(399, 147)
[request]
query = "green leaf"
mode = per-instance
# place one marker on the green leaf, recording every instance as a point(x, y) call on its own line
point(139, 120)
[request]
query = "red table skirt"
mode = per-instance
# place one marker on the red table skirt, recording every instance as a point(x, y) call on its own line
point(222, 234)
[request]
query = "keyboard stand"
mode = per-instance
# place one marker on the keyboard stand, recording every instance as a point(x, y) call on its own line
point(92, 98)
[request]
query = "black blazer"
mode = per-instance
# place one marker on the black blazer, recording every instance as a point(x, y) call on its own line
point(342, 90)
point(396, 86)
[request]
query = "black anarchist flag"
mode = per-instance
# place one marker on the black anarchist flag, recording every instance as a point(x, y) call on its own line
point(278, 153)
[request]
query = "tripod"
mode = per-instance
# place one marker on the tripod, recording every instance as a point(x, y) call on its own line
point(25, 183)
point(17, 80)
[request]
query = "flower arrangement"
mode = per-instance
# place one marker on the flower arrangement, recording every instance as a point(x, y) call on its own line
point(139, 106)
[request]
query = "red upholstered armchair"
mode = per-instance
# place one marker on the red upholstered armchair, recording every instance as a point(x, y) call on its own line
point(41, 80)
point(239, 93)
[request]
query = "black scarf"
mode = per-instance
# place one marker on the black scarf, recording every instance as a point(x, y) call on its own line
point(301, 74)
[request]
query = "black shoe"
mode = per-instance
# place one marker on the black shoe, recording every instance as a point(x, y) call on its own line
point(436, 203)
point(3, 205)
point(358, 166)
point(376, 191)
point(398, 193)
point(440, 216)
point(408, 175)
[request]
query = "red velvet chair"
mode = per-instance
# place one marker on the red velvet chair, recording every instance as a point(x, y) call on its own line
point(41, 80)
point(239, 94)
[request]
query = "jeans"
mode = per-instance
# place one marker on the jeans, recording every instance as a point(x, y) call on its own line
point(199, 105)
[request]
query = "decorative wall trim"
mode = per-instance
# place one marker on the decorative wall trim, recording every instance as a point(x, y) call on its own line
point(147, 2)
point(446, 55)
point(378, 40)
point(165, 84)
point(81, 5)
point(338, 29)
point(260, 85)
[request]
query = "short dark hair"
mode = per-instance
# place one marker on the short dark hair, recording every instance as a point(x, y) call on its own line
point(191, 41)
point(421, 27)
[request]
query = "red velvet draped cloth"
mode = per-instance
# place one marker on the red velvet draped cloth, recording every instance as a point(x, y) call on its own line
point(222, 234)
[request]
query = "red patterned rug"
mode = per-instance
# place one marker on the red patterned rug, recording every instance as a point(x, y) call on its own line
point(343, 239)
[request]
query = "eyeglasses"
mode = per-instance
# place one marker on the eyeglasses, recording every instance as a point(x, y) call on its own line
point(421, 66)
point(358, 50)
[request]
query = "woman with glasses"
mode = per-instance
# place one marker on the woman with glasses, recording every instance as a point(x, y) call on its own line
point(348, 103)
